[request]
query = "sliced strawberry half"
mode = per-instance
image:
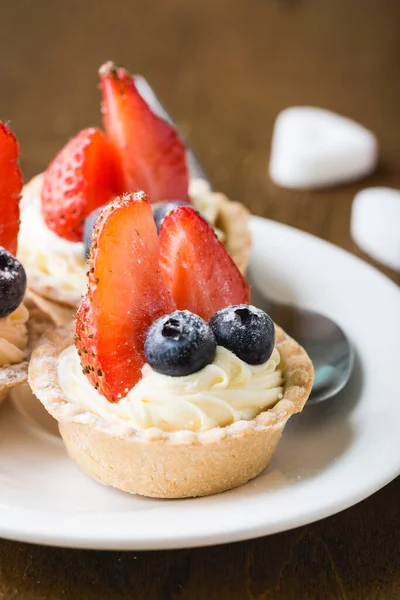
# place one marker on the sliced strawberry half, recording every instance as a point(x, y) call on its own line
point(126, 293)
point(152, 155)
point(10, 189)
point(197, 269)
point(83, 176)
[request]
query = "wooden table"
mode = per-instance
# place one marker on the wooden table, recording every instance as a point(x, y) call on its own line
point(224, 69)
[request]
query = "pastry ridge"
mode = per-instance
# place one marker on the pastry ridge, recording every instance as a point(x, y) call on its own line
point(38, 324)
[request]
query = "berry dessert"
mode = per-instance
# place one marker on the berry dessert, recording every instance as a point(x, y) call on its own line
point(137, 151)
point(19, 327)
point(171, 385)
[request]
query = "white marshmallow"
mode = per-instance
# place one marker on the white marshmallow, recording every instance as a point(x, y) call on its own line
point(375, 224)
point(313, 147)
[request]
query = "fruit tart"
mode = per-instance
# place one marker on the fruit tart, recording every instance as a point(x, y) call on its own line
point(171, 385)
point(138, 151)
point(20, 322)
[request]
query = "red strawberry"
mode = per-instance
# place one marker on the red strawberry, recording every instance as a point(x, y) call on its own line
point(10, 189)
point(126, 293)
point(83, 176)
point(197, 269)
point(152, 155)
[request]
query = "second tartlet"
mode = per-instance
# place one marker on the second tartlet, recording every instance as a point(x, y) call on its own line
point(137, 151)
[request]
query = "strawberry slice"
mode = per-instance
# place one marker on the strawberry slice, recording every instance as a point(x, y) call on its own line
point(152, 155)
point(10, 189)
point(84, 175)
point(126, 293)
point(197, 269)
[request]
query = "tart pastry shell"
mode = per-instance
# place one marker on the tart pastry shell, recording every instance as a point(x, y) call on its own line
point(59, 314)
point(169, 465)
point(38, 324)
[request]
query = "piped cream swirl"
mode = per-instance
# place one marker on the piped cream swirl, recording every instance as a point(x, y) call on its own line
point(226, 391)
point(14, 336)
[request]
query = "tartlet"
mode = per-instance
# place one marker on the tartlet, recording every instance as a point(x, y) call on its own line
point(158, 315)
point(170, 465)
point(21, 322)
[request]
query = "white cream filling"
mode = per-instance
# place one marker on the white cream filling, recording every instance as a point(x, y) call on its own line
point(58, 260)
point(226, 391)
point(61, 262)
point(14, 336)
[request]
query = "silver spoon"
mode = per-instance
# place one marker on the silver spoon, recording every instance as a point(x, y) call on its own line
point(325, 342)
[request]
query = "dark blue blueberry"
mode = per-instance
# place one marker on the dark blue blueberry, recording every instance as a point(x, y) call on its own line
point(246, 331)
point(179, 344)
point(163, 208)
point(12, 283)
point(88, 229)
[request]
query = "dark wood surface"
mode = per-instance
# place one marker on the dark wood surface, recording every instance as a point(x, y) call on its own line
point(224, 69)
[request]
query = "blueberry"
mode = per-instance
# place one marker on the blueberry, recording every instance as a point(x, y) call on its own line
point(161, 209)
point(246, 331)
point(179, 344)
point(12, 283)
point(88, 229)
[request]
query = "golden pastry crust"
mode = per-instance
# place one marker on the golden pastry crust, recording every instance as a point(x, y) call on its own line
point(38, 324)
point(38, 284)
point(169, 465)
point(232, 219)
point(60, 314)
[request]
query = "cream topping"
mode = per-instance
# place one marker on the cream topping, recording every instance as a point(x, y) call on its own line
point(14, 336)
point(63, 262)
point(226, 391)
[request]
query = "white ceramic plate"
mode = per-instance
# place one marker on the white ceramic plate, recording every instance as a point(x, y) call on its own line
point(330, 457)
